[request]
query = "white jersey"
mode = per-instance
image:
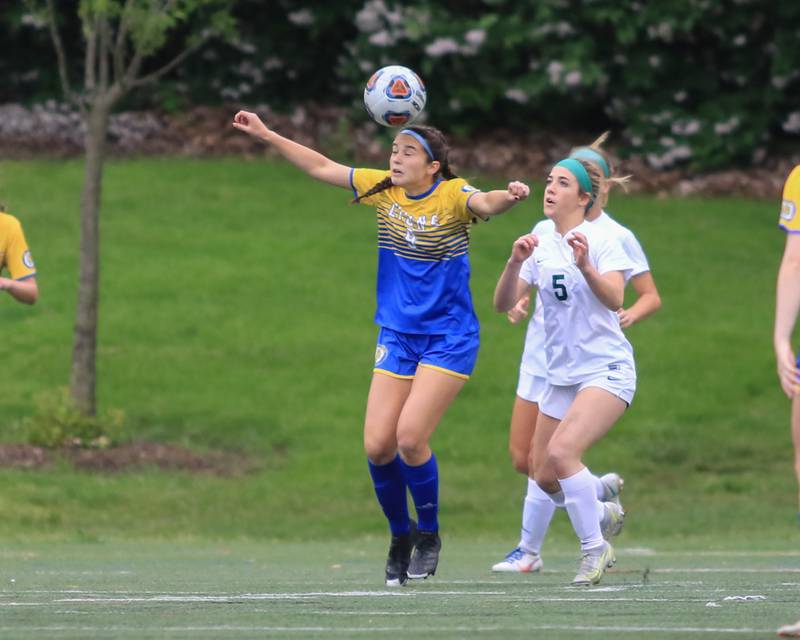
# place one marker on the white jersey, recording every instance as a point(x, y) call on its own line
point(630, 245)
point(533, 360)
point(583, 338)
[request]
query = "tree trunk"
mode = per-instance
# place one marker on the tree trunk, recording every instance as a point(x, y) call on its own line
point(83, 377)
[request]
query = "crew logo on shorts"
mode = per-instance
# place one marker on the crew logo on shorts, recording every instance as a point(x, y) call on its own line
point(380, 354)
point(788, 209)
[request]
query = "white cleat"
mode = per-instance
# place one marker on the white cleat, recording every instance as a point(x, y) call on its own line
point(613, 484)
point(593, 565)
point(612, 521)
point(790, 630)
point(519, 561)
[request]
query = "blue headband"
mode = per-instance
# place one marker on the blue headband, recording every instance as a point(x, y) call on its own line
point(586, 153)
point(421, 140)
point(580, 173)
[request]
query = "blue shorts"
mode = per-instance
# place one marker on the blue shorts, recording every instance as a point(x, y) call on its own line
point(398, 354)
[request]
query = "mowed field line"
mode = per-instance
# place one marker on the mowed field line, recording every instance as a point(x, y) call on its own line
point(334, 590)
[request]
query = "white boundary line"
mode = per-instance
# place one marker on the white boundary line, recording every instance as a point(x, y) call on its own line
point(426, 631)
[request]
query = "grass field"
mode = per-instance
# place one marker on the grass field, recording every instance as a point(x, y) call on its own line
point(236, 312)
point(240, 590)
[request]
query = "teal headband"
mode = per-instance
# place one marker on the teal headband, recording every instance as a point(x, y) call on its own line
point(587, 153)
point(421, 140)
point(580, 173)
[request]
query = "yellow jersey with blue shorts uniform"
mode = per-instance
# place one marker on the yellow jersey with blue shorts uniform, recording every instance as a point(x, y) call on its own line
point(424, 305)
point(15, 257)
point(790, 209)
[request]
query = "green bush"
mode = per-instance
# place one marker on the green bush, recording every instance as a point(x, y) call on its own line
point(686, 82)
point(59, 423)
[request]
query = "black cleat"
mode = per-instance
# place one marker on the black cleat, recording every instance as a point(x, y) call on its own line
point(426, 555)
point(399, 556)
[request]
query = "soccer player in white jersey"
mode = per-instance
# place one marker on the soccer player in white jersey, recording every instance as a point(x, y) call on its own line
point(579, 271)
point(525, 557)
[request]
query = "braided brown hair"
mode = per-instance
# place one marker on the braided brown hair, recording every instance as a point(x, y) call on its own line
point(441, 151)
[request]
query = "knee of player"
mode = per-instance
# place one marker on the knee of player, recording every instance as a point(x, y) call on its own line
point(559, 454)
point(548, 482)
point(410, 445)
point(519, 459)
point(379, 451)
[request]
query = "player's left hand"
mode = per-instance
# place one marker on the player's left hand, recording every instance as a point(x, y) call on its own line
point(519, 311)
point(580, 248)
point(518, 190)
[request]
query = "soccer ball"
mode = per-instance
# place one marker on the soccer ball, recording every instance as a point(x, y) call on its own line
point(394, 96)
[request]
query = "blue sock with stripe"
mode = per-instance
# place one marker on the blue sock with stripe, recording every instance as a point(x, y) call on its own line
point(390, 488)
point(423, 482)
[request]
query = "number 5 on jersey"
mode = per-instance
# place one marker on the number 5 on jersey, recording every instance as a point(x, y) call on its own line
point(559, 289)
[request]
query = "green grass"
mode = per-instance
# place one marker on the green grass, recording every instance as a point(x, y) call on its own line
point(236, 312)
point(239, 589)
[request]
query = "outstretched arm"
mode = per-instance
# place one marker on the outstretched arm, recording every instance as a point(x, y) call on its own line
point(647, 302)
point(26, 291)
point(787, 306)
point(313, 163)
point(492, 203)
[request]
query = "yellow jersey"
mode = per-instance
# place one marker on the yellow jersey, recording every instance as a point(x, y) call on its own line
point(423, 262)
point(790, 214)
point(15, 257)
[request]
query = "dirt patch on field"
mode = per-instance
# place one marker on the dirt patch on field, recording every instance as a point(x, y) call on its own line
point(130, 457)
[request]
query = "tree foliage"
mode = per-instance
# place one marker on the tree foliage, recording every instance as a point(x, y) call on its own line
point(699, 82)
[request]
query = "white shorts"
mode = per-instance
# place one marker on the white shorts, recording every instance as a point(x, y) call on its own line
point(530, 387)
point(556, 399)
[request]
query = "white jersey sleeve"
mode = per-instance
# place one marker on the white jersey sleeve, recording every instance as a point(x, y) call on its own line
point(634, 251)
point(630, 244)
point(610, 256)
point(528, 271)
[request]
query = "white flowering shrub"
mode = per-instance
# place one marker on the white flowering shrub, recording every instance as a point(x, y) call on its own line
point(697, 83)
point(686, 82)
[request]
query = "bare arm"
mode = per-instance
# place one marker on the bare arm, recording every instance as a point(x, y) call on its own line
point(787, 306)
point(648, 300)
point(492, 203)
point(313, 163)
point(510, 287)
point(25, 291)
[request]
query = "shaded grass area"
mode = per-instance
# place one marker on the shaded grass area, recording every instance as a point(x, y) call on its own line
point(236, 313)
point(334, 589)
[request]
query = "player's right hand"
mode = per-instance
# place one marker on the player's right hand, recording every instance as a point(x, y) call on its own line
point(250, 123)
point(523, 247)
point(787, 371)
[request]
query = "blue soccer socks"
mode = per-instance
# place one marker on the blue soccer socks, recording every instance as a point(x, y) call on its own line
point(390, 489)
point(423, 482)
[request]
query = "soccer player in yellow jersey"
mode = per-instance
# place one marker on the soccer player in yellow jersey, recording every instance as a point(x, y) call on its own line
point(428, 337)
point(16, 261)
